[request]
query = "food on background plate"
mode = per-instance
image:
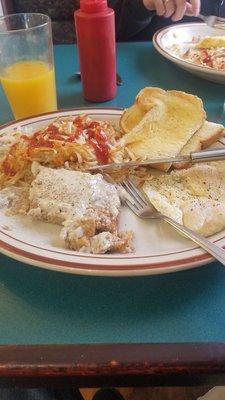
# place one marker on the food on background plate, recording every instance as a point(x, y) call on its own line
point(45, 172)
point(207, 52)
point(211, 42)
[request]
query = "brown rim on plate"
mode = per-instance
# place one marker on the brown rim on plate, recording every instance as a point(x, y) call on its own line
point(60, 110)
point(67, 264)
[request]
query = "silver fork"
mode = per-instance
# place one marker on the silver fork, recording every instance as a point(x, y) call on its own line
point(142, 207)
point(213, 21)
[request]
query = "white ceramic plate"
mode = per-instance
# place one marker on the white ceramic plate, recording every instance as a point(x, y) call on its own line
point(182, 34)
point(158, 248)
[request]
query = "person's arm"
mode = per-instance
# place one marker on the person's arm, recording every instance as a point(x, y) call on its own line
point(131, 17)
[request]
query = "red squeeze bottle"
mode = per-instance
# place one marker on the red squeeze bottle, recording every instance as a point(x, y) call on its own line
point(95, 29)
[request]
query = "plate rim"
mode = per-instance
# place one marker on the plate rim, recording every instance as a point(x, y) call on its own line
point(177, 60)
point(84, 268)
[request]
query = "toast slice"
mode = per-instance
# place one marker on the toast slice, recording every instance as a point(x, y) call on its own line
point(143, 103)
point(131, 117)
point(208, 134)
point(170, 119)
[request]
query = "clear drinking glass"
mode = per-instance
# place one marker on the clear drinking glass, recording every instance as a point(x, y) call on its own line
point(26, 64)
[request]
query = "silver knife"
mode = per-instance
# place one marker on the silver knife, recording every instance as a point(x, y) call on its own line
point(193, 157)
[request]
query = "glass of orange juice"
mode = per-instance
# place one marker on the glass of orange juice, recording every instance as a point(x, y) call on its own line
point(26, 64)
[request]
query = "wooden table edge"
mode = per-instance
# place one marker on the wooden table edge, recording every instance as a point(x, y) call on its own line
point(93, 365)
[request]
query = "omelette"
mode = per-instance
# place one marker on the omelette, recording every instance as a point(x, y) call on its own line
point(194, 197)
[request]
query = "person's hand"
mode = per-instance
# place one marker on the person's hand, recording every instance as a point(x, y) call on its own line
point(175, 9)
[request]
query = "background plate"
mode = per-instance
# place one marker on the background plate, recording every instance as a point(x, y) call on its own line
point(183, 34)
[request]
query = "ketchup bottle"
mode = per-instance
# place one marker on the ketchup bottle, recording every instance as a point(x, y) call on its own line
point(95, 29)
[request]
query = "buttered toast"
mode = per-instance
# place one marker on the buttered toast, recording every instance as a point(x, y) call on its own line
point(163, 122)
point(208, 134)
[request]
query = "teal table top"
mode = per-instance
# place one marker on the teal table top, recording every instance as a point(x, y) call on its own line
point(40, 306)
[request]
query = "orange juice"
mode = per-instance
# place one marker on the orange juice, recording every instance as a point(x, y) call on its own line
point(30, 88)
